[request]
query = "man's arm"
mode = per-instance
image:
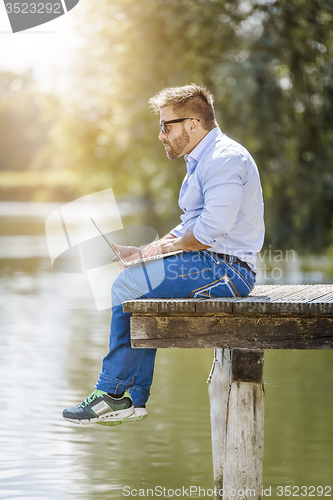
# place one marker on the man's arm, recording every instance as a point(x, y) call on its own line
point(167, 237)
point(170, 243)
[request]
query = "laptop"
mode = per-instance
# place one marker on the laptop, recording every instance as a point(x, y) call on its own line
point(131, 263)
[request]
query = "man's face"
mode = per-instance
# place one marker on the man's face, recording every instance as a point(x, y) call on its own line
point(176, 140)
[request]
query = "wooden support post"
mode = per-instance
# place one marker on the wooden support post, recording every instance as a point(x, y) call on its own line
point(237, 421)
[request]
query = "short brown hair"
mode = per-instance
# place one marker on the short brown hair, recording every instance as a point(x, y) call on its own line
point(190, 100)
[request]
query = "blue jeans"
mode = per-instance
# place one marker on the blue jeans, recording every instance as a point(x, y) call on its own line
point(190, 274)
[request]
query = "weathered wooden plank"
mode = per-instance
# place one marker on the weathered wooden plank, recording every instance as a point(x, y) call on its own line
point(283, 307)
point(161, 306)
point(299, 302)
point(299, 308)
point(294, 292)
point(285, 299)
point(262, 289)
point(141, 306)
point(214, 306)
point(307, 294)
point(275, 294)
point(322, 305)
point(152, 306)
point(256, 302)
point(321, 308)
point(213, 341)
point(244, 442)
point(227, 332)
point(261, 294)
point(264, 299)
point(323, 290)
point(218, 395)
point(279, 292)
point(329, 296)
point(176, 306)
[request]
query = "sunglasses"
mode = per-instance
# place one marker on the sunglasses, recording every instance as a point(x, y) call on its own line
point(164, 125)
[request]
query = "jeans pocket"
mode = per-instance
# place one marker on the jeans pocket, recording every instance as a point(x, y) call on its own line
point(243, 279)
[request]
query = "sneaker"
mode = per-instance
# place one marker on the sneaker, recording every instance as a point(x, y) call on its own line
point(100, 407)
point(139, 414)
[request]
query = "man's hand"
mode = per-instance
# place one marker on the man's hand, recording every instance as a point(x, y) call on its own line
point(160, 246)
point(154, 248)
point(127, 253)
point(168, 243)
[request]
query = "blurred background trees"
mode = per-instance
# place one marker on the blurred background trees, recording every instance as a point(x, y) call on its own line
point(269, 65)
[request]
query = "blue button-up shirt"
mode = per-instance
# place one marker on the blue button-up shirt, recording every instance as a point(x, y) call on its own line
point(221, 198)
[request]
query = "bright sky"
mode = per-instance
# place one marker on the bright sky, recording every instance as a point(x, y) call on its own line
point(47, 49)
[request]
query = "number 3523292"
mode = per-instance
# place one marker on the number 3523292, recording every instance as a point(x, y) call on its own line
point(304, 491)
point(33, 8)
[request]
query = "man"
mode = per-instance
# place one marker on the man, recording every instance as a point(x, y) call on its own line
point(220, 233)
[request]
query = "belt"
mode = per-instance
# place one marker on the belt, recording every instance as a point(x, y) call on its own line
point(235, 260)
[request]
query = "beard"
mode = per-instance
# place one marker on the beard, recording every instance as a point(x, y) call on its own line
point(177, 146)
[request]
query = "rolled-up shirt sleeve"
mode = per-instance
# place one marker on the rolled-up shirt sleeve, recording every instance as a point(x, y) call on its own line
point(178, 230)
point(222, 187)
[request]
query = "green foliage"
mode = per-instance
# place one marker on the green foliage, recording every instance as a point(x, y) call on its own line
point(269, 65)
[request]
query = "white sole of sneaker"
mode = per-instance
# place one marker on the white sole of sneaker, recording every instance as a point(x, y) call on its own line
point(112, 418)
point(139, 414)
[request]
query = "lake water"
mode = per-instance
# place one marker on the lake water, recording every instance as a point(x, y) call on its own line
point(51, 344)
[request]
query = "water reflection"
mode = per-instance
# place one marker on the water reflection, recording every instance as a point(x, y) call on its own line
point(51, 345)
point(50, 354)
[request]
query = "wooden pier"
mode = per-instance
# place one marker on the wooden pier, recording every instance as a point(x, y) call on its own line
point(239, 329)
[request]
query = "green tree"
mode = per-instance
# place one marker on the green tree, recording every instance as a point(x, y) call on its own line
point(269, 65)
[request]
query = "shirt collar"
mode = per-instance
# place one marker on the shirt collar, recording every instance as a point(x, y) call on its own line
point(199, 149)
